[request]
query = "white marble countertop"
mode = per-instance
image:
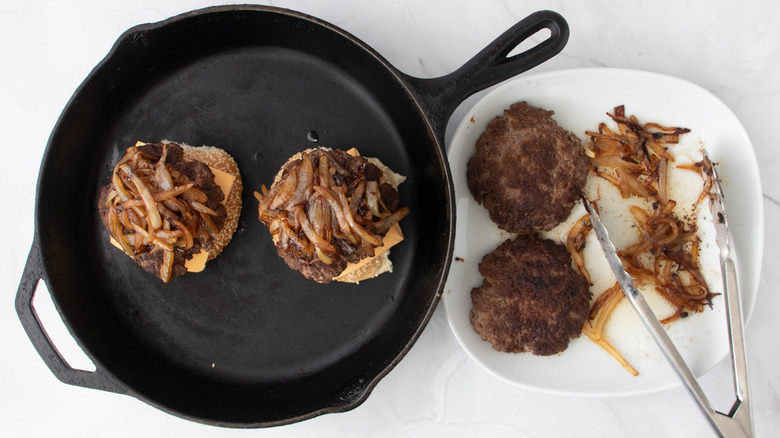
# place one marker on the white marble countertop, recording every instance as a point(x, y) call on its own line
point(730, 48)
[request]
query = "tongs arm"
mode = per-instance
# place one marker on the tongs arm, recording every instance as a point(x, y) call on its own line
point(740, 411)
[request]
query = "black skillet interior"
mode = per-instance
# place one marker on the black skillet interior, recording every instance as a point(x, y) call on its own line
point(247, 341)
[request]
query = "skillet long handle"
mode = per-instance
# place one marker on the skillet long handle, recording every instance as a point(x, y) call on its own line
point(440, 96)
point(33, 273)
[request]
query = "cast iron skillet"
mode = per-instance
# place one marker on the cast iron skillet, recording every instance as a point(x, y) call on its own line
point(248, 342)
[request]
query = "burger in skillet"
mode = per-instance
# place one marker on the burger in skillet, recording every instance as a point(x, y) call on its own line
point(333, 214)
point(172, 207)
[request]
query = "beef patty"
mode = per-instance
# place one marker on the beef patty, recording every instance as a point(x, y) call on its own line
point(527, 170)
point(531, 298)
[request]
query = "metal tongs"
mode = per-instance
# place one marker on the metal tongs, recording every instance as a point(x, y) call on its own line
point(739, 421)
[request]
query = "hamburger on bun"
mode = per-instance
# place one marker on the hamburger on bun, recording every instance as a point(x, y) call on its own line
point(172, 207)
point(333, 214)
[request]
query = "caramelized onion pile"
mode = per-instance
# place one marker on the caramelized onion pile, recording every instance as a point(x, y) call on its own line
point(153, 208)
point(319, 209)
point(635, 158)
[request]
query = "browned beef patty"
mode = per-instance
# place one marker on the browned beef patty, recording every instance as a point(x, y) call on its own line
point(531, 298)
point(527, 170)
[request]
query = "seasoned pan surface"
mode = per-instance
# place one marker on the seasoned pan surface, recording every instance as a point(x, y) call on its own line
point(248, 342)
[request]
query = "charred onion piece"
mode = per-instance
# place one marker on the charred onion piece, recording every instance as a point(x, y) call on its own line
point(153, 207)
point(353, 222)
point(304, 183)
point(335, 208)
point(383, 225)
point(315, 238)
point(286, 191)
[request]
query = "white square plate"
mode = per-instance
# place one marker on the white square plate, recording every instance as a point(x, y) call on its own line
point(580, 99)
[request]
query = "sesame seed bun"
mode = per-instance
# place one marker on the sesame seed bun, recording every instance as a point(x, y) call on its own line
point(221, 160)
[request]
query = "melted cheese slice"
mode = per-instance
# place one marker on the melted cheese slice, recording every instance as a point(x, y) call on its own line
point(198, 261)
point(392, 238)
point(224, 180)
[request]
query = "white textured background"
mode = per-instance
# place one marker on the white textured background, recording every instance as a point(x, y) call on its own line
point(730, 48)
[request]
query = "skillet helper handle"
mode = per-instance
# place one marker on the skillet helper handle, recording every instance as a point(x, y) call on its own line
point(33, 273)
point(491, 65)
